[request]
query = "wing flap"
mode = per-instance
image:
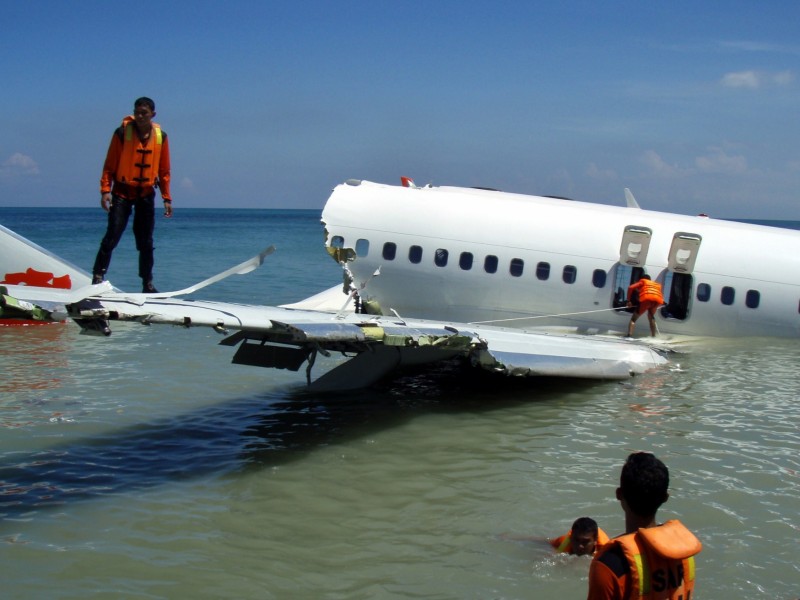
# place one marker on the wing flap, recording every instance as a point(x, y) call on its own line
point(270, 355)
point(541, 365)
point(526, 353)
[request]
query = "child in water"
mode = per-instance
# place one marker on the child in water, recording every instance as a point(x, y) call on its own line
point(585, 537)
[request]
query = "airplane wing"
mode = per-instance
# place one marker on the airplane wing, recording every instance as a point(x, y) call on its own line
point(292, 335)
point(281, 337)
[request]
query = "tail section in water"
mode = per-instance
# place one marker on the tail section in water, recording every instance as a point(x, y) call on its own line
point(24, 263)
point(34, 282)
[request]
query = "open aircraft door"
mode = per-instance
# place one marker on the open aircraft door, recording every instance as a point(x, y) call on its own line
point(683, 252)
point(678, 281)
point(634, 247)
point(632, 258)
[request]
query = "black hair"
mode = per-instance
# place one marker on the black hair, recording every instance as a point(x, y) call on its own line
point(585, 525)
point(644, 482)
point(145, 101)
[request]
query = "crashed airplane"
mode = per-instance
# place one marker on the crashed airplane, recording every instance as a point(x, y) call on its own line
point(515, 284)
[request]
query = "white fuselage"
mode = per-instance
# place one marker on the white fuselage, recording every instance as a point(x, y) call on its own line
point(535, 262)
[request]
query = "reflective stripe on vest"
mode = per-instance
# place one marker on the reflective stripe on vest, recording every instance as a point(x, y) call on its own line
point(644, 572)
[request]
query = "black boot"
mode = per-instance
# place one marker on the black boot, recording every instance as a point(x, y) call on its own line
point(96, 278)
point(149, 288)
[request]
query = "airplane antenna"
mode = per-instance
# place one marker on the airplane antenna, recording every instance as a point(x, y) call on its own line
point(396, 314)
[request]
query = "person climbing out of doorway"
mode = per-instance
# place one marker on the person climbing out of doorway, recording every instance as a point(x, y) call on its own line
point(650, 300)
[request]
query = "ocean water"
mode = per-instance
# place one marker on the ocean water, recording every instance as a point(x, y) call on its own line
point(145, 465)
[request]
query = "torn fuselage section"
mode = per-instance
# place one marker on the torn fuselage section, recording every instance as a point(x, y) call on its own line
point(356, 297)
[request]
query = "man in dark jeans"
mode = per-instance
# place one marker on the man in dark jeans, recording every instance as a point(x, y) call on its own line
point(136, 163)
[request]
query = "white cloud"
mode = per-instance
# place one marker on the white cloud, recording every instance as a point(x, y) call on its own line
point(19, 164)
point(756, 79)
point(742, 79)
point(718, 161)
point(657, 165)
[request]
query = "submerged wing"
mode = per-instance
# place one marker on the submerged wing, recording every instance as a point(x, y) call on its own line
point(280, 337)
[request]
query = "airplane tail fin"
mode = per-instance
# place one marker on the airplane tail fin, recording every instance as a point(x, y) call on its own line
point(408, 182)
point(24, 263)
point(630, 200)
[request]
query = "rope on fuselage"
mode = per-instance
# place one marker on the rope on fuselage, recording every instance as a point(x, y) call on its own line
point(585, 312)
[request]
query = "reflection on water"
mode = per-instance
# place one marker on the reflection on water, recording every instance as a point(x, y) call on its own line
point(32, 357)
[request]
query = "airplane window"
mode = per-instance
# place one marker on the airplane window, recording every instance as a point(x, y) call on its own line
point(752, 299)
point(543, 271)
point(465, 261)
point(599, 278)
point(415, 254)
point(490, 264)
point(362, 247)
point(440, 259)
point(516, 267)
point(337, 241)
point(389, 250)
point(728, 295)
point(704, 292)
point(569, 274)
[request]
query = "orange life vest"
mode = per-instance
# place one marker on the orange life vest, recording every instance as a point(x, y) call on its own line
point(651, 291)
point(647, 290)
point(661, 561)
point(138, 162)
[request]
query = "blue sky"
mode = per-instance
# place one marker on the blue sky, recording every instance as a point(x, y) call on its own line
point(693, 105)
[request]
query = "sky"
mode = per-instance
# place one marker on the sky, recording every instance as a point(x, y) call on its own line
point(694, 106)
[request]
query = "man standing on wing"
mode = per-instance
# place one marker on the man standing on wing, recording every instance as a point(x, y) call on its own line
point(136, 163)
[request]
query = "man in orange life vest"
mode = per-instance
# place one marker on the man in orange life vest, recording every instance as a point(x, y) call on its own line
point(136, 163)
point(650, 299)
point(649, 561)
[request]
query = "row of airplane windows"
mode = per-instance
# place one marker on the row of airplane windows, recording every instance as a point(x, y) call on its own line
point(516, 267)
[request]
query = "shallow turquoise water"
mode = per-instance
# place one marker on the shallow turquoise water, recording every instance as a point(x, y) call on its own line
point(145, 465)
